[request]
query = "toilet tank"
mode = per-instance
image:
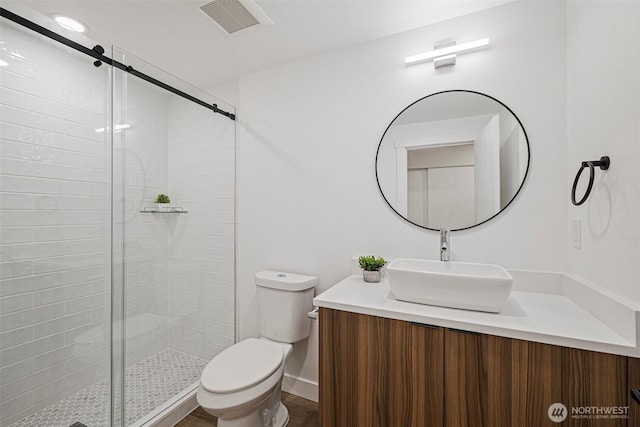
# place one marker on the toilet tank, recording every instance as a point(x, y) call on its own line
point(284, 299)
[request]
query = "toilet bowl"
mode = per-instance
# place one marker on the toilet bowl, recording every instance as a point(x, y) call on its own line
point(239, 384)
point(242, 385)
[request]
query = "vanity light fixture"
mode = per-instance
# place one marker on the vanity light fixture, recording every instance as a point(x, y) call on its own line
point(446, 54)
point(69, 23)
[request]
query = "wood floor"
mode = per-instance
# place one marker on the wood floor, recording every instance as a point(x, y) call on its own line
point(302, 413)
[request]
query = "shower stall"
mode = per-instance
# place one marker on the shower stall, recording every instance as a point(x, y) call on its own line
point(110, 305)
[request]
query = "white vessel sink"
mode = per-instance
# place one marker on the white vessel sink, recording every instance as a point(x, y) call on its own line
point(480, 287)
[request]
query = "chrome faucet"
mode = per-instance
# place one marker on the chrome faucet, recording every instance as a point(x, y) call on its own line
point(444, 245)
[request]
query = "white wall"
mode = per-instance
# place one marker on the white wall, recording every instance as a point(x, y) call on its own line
point(54, 224)
point(604, 119)
point(308, 134)
point(226, 92)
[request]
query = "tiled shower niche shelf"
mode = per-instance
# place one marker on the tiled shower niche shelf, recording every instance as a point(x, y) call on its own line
point(163, 211)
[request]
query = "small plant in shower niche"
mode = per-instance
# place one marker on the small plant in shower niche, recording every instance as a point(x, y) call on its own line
point(163, 200)
point(371, 267)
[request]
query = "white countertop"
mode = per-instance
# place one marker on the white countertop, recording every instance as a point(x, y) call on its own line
point(550, 318)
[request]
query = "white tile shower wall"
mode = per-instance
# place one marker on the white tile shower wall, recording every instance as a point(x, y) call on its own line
point(603, 119)
point(145, 235)
point(201, 245)
point(307, 194)
point(54, 223)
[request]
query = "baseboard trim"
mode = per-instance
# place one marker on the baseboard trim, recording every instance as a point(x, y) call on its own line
point(300, 387)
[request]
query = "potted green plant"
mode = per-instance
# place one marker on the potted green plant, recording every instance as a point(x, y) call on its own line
point(163, 202)
point(371, 267)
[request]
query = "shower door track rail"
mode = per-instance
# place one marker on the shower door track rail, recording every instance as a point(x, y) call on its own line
point(97, 52)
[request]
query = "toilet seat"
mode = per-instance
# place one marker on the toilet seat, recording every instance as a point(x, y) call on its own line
point(241, 366)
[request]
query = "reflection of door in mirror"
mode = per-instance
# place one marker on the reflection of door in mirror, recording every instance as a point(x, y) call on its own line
point(440, 185)
point(453, 178)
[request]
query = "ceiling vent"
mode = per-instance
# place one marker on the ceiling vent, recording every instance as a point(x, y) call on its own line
point(235, 15)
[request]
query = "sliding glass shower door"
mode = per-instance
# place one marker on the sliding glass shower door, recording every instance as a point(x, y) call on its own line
point(110, 304)
point(177, 278)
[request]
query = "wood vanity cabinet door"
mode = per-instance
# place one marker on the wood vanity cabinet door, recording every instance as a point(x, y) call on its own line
point(592, 379)
point(493, 381)
point(465, 380)
point(379, 372)
point(416, 379)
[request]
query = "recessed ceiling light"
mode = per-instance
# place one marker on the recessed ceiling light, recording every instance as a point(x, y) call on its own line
point(69, 23)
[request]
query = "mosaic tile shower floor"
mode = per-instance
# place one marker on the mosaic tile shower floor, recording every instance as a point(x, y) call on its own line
point(149, 384)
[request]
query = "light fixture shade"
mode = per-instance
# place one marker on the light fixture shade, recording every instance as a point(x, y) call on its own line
point(437, 53)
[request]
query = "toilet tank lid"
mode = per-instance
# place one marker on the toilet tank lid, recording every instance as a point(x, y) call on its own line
point(285, 281)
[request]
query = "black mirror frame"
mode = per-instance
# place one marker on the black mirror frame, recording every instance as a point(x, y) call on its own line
point(524, 179)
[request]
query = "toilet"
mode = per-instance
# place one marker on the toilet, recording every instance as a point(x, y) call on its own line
point(241, 385)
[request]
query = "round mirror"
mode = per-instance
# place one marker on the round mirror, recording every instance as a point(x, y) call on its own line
point(452, 160)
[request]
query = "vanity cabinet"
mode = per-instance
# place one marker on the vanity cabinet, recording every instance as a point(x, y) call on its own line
point(382, 372)
point(378, 372)
point(495, 381)
point(595, 379)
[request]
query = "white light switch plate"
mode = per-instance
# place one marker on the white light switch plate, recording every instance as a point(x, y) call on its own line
point(576, 233)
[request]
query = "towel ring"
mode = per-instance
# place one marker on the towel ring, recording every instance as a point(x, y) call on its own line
point(603, 164)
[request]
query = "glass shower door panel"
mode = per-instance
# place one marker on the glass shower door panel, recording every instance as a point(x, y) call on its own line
point(178, 275)
point(55, 222)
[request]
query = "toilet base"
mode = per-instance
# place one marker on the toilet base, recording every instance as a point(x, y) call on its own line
point(282, 416)
point(256, 419)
